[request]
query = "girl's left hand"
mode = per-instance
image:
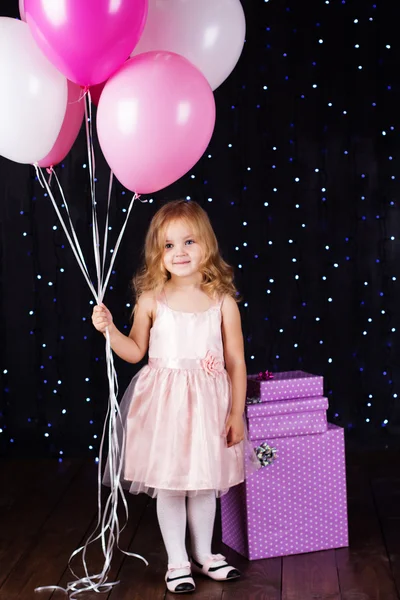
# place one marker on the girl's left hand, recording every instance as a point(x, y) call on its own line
point(234, 429)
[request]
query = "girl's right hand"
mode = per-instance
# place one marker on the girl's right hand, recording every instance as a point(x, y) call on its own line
point(102, 318)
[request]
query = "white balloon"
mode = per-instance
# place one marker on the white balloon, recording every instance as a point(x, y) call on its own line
point(33, 96)
point(209, 33)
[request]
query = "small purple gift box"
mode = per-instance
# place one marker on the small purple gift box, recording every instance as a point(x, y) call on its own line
point(287, 417)
point(296, 503)
point(284, 386)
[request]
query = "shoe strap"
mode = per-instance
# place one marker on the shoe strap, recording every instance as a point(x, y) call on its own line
point(188, 577)
point(213, 558)
point(177, 566)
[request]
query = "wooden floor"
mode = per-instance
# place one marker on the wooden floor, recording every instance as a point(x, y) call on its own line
point(47, 509)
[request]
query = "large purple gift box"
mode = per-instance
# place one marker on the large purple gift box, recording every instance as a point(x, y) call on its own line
point(286, 386)
point(294, 505)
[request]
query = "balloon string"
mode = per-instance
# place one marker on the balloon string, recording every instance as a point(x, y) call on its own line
point(92, 167)
point(108, 528)
point(110, 184)
point(76, 249)
point(72, 228)
point(118, 243)
point(83, 93)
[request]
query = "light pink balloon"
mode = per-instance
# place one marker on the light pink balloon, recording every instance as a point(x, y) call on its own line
point(155, 119)
point(69, 129)
point(22, 10)
point(87, 40)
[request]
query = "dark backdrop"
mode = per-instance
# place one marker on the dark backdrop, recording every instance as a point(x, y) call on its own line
point(300, 182)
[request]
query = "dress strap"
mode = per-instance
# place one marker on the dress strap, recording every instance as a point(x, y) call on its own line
point(163, 297)
point(221, 301)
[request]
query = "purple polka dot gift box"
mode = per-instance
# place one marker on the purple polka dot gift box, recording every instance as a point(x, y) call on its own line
point(296, 502)
point(283, 404)
point(287, 385)
point(287, 417)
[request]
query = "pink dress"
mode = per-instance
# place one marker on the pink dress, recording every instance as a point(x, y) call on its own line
point(175, 409)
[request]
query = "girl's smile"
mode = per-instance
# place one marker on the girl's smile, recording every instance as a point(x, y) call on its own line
point(182, 252)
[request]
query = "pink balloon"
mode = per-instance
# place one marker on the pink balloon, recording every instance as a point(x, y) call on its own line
point(87, 40)
point(22, 10)
point(69, 129)
point(95, 92)
point(155, 119)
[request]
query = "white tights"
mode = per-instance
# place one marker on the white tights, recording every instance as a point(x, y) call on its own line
point(172, 517)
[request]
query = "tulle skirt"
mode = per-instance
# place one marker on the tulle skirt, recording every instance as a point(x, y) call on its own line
point(174, 421)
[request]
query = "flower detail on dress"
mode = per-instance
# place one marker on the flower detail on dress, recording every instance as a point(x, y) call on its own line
point(212, 365)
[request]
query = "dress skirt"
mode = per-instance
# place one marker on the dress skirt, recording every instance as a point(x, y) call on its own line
point(174, 415)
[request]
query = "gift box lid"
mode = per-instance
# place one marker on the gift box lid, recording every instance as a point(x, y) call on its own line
point(286, 385)
point(286, 407)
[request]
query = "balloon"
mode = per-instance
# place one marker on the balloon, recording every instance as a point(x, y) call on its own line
point(95, 92)
point(22, 10)
point(209, 33)
point(33, 96)
point(87, 40)
point(70, 128)
point(154, 121)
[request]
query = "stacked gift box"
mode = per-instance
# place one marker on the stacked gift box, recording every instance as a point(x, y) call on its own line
point(296, 501)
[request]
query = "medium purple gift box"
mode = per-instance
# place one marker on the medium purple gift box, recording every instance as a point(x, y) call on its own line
point(295, 504)
point(287, 417)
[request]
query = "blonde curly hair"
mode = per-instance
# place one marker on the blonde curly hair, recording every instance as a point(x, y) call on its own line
point(217, 274)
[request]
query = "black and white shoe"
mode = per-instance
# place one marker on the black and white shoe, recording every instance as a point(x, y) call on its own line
point(179, 579)
point(215, 567)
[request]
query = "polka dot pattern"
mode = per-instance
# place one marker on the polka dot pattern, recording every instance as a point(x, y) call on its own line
point(287, 417)
point(286, 385)
point(298, 504)
point(286, 425)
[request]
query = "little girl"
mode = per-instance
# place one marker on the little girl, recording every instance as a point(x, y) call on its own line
point(183, 412)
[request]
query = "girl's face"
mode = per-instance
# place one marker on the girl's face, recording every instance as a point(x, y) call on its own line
point(182, 251)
